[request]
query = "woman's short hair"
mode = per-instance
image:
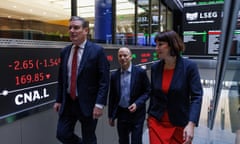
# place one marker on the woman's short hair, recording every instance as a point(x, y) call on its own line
point(174, 41)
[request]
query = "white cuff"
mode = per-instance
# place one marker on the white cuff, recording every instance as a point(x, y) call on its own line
point(99, 106)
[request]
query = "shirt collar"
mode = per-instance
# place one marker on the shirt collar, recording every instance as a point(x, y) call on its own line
point(82, 45)
point(129, 68)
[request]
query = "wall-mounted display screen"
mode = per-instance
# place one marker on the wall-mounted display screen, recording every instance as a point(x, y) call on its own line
point(29, 76)
point(139, 56)
point(199, 20)
point(202, 30)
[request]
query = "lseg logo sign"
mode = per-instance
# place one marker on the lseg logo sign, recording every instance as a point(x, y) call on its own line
point(202, 16)
point(192, 16)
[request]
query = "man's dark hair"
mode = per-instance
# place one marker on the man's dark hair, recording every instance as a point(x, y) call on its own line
point(85, 23)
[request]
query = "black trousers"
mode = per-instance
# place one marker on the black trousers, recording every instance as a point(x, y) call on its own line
point(67, 122)
point(130, 126)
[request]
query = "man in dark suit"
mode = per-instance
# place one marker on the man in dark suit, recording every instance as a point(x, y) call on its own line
point(129, 88)
point(82, 85)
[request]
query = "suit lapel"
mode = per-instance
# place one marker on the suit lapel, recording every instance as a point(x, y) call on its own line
point(118, 82)
point(84, 57)
point(133, 78)
point(158, 75)
point(177, 73)
point(66, 58)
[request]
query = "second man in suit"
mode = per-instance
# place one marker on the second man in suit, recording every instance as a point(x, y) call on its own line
point(129, 88)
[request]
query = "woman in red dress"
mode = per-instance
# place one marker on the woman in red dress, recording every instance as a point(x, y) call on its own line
point(176, 93)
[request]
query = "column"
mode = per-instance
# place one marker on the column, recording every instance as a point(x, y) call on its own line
point(103, 21)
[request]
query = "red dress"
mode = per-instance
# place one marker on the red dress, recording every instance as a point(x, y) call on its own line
point(163, 132)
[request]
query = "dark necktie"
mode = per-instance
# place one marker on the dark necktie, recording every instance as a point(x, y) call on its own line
point(74, 74)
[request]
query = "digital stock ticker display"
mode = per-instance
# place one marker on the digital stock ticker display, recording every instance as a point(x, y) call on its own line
point(139, 56)
point(29, 77)
point(202, 29)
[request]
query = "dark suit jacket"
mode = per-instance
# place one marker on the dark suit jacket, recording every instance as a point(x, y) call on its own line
point(92, 79)
point(139, 86)
point(184, 99)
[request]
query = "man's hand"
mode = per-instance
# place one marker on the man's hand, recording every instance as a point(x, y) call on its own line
point(57, 106)
point(97, 112)
point(111, 122)
point(132, 108)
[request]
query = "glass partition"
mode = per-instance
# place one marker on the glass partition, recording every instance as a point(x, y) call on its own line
point(226, 123)
point(220, 115)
